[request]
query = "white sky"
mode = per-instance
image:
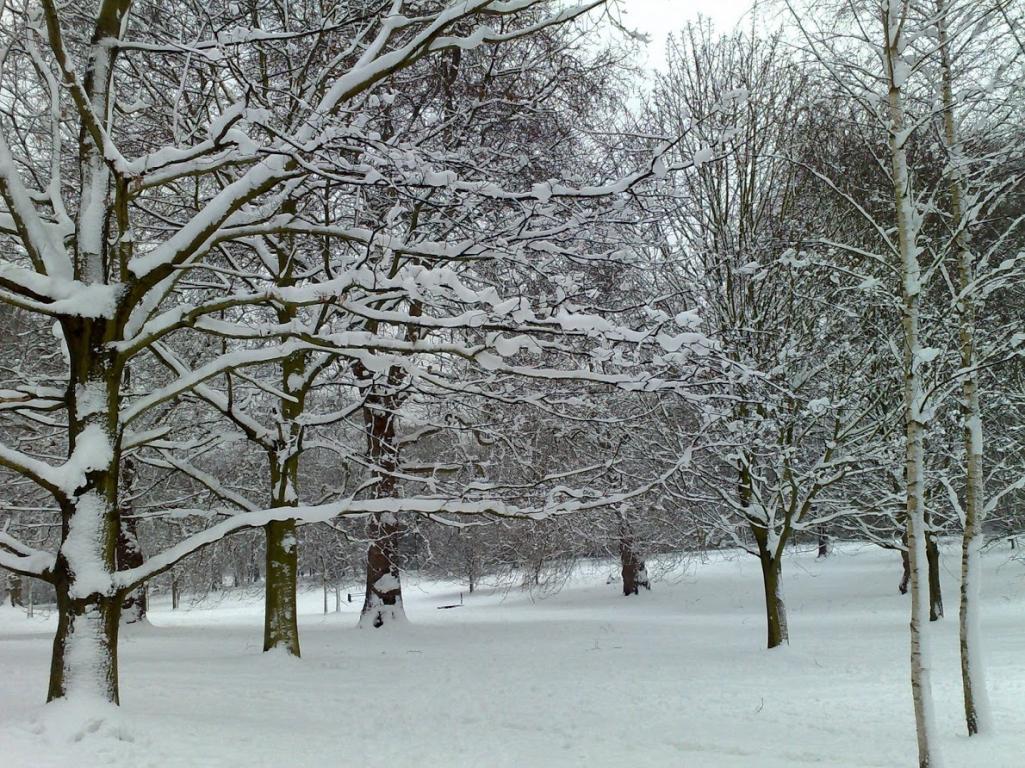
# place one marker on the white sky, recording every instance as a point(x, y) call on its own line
point(658, 18)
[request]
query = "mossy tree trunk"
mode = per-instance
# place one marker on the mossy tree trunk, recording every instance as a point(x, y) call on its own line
point(776, 630)
point(280, 625)
point(281, 629)
point(84, 660)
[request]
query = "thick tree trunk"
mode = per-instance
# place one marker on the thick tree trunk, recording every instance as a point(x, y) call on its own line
point(383, 602)
point(632, 567)
point(823, 545)
point(280, 621)
point(84, 659)
point(280, 625)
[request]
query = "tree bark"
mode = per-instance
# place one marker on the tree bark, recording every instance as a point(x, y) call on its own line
point(632, 567)
point(893, 18)
point(280, 626)
point(973, 681)
point(382, 603)
point(932, 554)
point(129, 551)
point(905, 561)
point(280, 621)
point(777, 632)
point(15, 587)
point(84, 659)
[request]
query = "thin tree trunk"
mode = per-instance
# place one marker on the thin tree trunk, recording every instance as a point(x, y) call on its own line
point(907, 230)
point(905, 561)
point(932, 554)
point(323, 583)
point(973, 681)
point(15, 586)
point(777, 632)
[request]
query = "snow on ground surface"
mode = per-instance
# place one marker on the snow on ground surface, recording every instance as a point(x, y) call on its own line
point(677, 677)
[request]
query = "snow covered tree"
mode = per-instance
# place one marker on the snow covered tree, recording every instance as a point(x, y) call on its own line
point(790, 430)
point(102, 253)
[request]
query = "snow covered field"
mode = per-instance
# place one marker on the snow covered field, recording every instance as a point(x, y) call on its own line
point(678, 677)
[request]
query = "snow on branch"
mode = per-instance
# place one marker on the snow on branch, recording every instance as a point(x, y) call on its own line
point(325, 513)
point(25, 560)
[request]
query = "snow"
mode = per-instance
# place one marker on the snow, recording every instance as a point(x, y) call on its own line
point(674, 677)
point(83, 548)
point(84, 669)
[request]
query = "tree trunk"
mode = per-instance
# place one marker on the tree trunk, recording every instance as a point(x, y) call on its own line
point(280, 622)
point(932, 554)
point(915, 419)
point(15, 587)
point(973, 681)
point(823, 545)
point(777, 632)
point(129, 552)
point(383, 601)
point(280, 626)
point(84, 660)
point(323, 583)
point(905, 561)
point(976, 701)
point(632, 567)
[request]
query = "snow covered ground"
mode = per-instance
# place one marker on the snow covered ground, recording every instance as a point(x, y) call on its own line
point(677, 677)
